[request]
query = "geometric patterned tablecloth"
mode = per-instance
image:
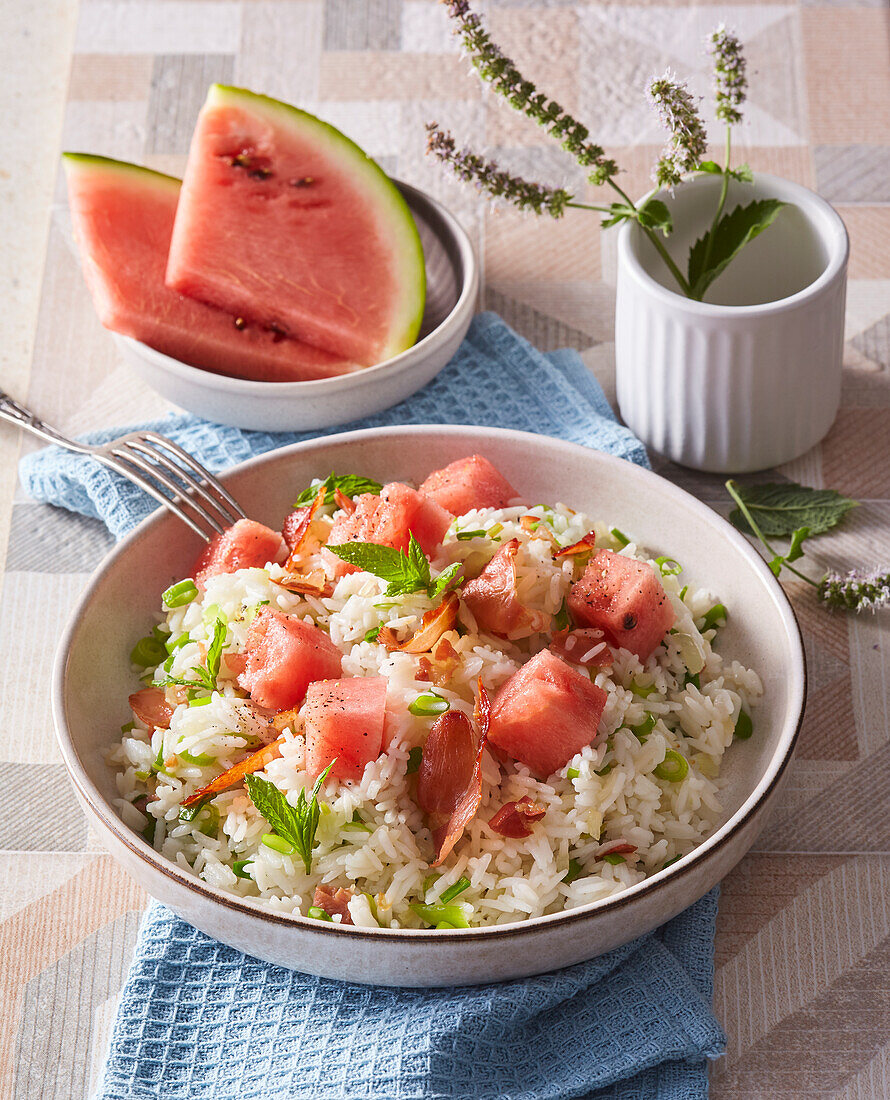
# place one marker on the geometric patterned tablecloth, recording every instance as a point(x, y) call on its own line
point(803, 946)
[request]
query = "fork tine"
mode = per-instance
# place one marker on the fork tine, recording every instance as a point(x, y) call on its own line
point(190, 461)
point(219, 513)
point(132, 474)
point(128, 453)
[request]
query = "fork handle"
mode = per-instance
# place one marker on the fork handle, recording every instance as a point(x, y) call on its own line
point(17, 414)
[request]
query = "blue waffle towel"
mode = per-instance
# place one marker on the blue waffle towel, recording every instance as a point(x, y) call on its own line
point(200, 1021)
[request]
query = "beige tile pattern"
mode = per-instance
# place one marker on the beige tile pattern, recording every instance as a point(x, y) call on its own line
point(803, 943)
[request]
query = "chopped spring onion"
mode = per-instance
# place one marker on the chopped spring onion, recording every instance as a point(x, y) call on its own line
point(642, 731)
point(318, 914)
point(674, 768)
point(189, 813)
point(495, 530)
point(445, 924)
point(202, 702)
point(619, 536)
point(573, 773)
point(142, 776)
point(172, 644)
point(744, 727)
point(168, 664)
point(212, 613)
point(428, 882)
point(415, 755)
point(451, 893)
point(148, 652)
point(561, 619)
point(575, 871)
point(371, 635)
point(643, 689)
point(614, 858)
point(209, 821)
point(149, 831)
point(158, 764)
point(428, 704)
point(238, 868)
point(372, 905)
point(465, 536)
point(127, 726)
point(669, 567)
point(357, 823)
point(605, 770)
point(202, 759)
point(435, 914)
point(718, 613)
point(181, 593)
point(692, 678)
point(683, 591)
point(668, 862)
point(278, 844)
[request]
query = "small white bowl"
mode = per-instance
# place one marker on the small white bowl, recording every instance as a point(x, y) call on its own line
point(751, 377)
point(92, 678)
point(452, 278)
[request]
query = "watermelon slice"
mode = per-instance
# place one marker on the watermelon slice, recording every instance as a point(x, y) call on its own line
point(286, 222)
point(123, 219)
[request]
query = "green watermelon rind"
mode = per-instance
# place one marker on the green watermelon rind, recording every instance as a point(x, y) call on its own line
point(390, 204)
point(92, 161)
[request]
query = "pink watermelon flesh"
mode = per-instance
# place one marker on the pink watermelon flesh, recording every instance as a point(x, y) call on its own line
point(285, 221)
point(389, 520)
point(343, 721)
point(284, 656)
point(624, 598)
point(123, 220)
point(545, 714)
point(245, 545)
point(469, 483)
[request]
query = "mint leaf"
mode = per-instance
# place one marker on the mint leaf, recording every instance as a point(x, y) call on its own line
point(732, 233)
point(655, 215)
point(299, 823)
point(795, 550)
point(743, 173)
point(403, 572)
point(205, 677)
point(618, 212)
point(780, 509)
point(444, 581)
point(214, 650)
point(351, 485)
point(711, 167)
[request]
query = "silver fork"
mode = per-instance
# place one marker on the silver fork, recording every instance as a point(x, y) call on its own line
point(144, 458)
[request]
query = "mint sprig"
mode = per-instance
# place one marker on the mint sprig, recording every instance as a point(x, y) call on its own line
point(712, 252)
point(403, 572)
point(350, 485)
point(205, 675)
point(299, 823)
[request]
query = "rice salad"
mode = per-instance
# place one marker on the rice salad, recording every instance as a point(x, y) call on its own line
point(361, 840)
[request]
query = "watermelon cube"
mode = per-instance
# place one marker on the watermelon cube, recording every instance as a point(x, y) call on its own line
point(545, 713)
point(624, 598)
point(284, 655)
point(468, 483)
point(245, 545)
point(343, 721)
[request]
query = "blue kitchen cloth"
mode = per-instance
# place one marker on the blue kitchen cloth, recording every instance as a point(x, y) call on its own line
point(201, 1021)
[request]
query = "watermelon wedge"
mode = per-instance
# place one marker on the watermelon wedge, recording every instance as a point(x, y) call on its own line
point(123, 219)
point(286, 222)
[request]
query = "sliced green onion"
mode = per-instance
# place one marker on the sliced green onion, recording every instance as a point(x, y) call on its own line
point(465, 536)
point(575, 871)
point(605, 770)
point(158, 764)
point(683, 591)
point(238, 868)
point(434, 914)
point(372, 905)
point(202, 759)
point(189, 813)
point(674, 768)
point(278, 844)
point(142, 776)
point(160, 632)
point(619, 536)
point(495, 530)
point(181, 593)
point(642, 731)
point(445, 924)
point(645, 690)
point(744, 727)
point(212, 613)
point(561, 619)
point(168, 664)
point(147, 652)
point(451, 893)
point(209, 821)
point(573, 773)
point(415, 755)
point(357, 824)
point(717, 614)
point(428, 704)
point(614, 858)
point(668, 862)
point(693, 679)
point(149, 831)
point(428, 882)
point(177, 643)
point(127, 726)
point(669, 567)
point(202, 702)
point(318, 914)
point(371, 635)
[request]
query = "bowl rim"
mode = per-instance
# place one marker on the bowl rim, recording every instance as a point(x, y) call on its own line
point(778, 762)
point(317, 387)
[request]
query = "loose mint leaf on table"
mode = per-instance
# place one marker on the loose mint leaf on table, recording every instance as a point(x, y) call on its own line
point(786, 509)
point(299, 823)
point(351, 485)
point(732, 233)
point(403, 572)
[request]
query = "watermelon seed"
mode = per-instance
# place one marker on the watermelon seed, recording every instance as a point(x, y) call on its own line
point(240, 160)
point(304, 181)
point(630, 621)
point(278, 333)
point(240, 324)
point(260, 173)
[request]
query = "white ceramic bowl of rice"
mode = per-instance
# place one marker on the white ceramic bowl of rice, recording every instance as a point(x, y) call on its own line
point(527, 907)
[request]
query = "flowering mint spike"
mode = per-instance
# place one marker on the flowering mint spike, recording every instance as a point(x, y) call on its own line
point(730, 80)
point(858, 591)
point(688, 140)
point(472, 168)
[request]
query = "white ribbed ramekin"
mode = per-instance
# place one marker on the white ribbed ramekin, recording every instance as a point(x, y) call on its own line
point(734, 387)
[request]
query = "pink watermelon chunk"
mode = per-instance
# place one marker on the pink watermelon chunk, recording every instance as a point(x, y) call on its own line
point(389, 520)
point(624, 598)
point(123, 220)
point(284, 221)
point(545, 713)
point(284, 656)
point(468, 483)
point(343, 721)
point(245, 545)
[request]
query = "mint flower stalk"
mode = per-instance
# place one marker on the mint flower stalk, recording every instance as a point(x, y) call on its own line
point(688, 141)
point(857, 590)
point(730, 79)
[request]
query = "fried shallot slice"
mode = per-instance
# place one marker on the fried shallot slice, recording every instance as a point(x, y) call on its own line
point(583, 546)
point(296, 527)
point(432, 626)
point(229, 778)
